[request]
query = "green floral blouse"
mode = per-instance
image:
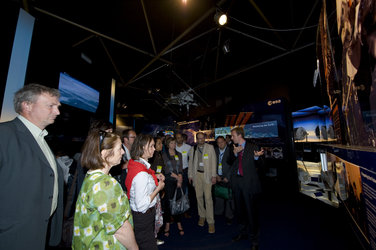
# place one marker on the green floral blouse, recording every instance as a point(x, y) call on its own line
point(101, 208)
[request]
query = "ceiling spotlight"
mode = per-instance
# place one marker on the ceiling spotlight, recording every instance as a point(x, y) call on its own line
point(220, 18)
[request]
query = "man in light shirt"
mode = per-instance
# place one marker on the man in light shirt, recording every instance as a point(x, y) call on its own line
point(202, 173)
point(32, 185)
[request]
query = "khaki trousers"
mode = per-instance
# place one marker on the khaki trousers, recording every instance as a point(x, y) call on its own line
point(204, 190)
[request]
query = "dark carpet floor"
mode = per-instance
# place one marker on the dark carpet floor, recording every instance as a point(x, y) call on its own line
point(288, 221)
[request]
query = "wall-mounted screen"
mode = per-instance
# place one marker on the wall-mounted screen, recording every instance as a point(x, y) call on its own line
point(223, 131)
point(77, 94)
point(313, 124)
point(261, 130)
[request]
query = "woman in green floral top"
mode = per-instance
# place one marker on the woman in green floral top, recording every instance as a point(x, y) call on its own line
point(103, 219)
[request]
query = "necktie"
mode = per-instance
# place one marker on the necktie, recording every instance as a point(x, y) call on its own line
point(240, 156)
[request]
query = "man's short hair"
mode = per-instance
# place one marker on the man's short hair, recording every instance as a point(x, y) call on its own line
point(29, 93)
point(238, 131)
point(125, 134)
point(201, 133)
point(220, 137)
point(100, 125)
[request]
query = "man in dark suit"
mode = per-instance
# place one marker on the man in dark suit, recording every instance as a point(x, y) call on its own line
point(31, 191)
point(225, 158)
point(246, 186)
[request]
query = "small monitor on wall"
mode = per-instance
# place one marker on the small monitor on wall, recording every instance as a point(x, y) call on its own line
point(77, 94)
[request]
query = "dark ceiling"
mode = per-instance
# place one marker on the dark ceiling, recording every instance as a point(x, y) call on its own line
point(160, 50)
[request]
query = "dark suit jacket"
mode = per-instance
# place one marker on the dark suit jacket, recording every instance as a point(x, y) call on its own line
point(26, 191)
point(227, 160)
point(249, 169)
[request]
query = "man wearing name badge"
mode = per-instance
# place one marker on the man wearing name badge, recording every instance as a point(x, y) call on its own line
point(202, 173)
point(225, 158)
point(246, 186)
point(183, 148)
point(31, 191)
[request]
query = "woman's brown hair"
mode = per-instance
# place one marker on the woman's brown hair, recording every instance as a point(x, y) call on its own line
point(95, 142)
point(169, 140)
point(137, 149)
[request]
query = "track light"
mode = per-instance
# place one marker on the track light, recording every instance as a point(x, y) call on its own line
point(220, 18)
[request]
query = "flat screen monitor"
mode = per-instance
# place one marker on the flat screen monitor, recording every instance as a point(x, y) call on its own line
point(313, 124)
point(223, 131)
point(261, 130)
point(77, 94)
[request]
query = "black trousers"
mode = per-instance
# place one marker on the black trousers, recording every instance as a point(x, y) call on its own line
point(144, 229)
point(247, 209)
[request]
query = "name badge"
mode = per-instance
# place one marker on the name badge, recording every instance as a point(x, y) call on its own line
point(220, 169)
point(159, 169)
point(206, 156)
point(201, 164)
point(176, 157)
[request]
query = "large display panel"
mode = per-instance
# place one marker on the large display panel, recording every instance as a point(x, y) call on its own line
point(222, 131)
point(77, 94)
point(267, 129)
point(313, 124)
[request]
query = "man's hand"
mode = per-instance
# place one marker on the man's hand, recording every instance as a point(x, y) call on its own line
point(173, 175)
point(225, 180)
point(214, 180)
point(219, 179)
point(190, 180)
point(237, 149)
point(258, 153)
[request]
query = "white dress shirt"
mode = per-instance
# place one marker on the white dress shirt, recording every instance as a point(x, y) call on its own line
point(143, 185)
point(184, 150)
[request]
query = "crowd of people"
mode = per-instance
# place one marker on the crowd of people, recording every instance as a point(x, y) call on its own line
point(120, 188)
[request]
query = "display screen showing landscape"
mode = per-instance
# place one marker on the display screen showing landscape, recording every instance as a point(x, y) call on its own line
point(77, 94)
point(223, 131)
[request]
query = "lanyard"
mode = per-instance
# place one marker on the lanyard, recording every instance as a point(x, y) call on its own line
point(221, 156)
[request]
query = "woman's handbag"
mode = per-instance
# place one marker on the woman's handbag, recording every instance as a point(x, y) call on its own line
point(222, 192)
point(181, 205)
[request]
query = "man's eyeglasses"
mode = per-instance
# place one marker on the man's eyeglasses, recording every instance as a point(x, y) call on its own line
point(102, 135)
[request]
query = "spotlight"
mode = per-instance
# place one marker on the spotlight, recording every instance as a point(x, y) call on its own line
point(220, 18)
